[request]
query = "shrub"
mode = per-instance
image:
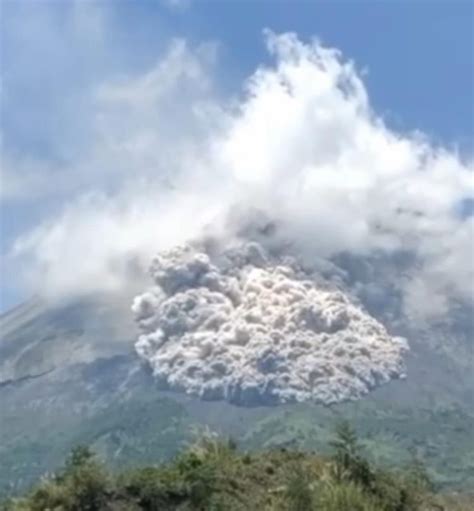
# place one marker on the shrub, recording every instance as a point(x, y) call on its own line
point(150, 488)
point(199, 476)
point(345, 496)
point(82, 485)
point(212, 476)
point(299, 495)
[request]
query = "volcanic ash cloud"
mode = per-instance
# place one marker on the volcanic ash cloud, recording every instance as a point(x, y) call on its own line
point(246, 329)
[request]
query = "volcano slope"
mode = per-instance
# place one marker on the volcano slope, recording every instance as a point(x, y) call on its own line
point(70, 374)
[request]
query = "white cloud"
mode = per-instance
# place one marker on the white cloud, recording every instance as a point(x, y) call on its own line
point(172, 159)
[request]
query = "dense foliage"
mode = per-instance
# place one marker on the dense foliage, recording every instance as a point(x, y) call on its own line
point(213, 475)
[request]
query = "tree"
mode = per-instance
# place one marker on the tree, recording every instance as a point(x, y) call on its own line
point(78, 457)
point(350, 465)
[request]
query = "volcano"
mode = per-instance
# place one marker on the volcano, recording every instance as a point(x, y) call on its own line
point(70, 374)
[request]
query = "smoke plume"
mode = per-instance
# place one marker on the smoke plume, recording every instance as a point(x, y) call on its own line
point(252, 330)
point(173, 161)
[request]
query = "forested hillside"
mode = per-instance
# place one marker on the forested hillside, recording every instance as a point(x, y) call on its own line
point(213, 474)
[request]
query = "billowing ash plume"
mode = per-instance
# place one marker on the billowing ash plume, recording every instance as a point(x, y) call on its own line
point(301, 144)
point(254, 329)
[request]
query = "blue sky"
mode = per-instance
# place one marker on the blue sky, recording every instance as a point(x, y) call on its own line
point(416, 58)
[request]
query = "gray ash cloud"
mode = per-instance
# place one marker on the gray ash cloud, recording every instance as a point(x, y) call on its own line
point(252, 329)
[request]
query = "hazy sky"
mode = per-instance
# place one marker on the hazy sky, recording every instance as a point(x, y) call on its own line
point(59, 59)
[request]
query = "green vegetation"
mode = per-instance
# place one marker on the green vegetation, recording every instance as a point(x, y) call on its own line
point(392, 433)
point(143, 428)
point(213, 475)
point(125, 433)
